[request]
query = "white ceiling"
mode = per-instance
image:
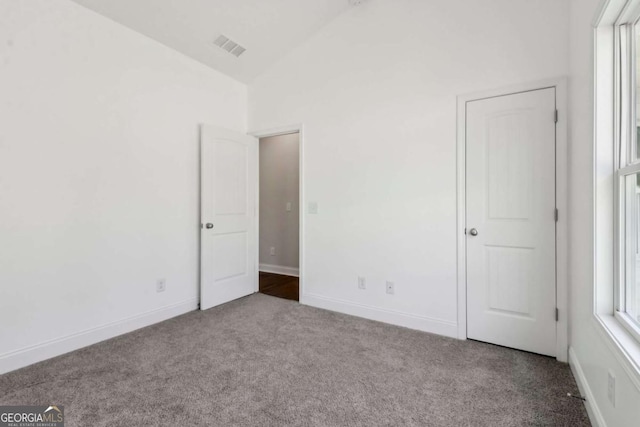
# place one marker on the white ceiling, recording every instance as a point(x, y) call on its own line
point(268, 29)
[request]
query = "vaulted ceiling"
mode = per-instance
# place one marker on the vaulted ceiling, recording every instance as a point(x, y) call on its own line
point(267, 29)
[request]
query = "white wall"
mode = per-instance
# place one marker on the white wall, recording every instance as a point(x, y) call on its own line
point(376, 91)
point(99, 176)
point(592, 358)
point(279, 185)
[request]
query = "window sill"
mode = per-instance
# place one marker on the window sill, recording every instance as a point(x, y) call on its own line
point(622, 343)
point(627, 322)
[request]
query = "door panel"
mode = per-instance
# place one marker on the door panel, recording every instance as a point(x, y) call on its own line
point(511, 277)
point(229, 189)
point(509, 166)
point(230, 177)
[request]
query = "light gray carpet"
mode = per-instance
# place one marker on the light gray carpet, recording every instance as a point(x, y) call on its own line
point(264, 361)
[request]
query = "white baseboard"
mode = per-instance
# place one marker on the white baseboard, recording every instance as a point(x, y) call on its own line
point(279, 269)
point(595, 416)
point(56, 347)
point(412, 321)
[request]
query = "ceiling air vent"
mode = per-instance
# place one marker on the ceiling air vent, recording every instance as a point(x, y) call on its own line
point(224, 42)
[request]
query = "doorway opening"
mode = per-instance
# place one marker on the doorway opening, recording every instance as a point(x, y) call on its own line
point(279, 215)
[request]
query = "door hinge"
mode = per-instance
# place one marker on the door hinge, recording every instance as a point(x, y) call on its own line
point(555, 116)
point(557, 314)
point(556, 214)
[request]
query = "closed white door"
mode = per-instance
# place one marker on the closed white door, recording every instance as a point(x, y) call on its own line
point(511, 221)
point(228, 239)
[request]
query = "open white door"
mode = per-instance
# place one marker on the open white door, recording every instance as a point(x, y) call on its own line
point(511, 228)
point(228, 235)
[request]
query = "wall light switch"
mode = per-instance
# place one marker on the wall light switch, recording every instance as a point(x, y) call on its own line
point(313, 208)
point(288, 206)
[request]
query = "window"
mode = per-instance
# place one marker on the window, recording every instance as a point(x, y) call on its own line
point(627, 179)
point(616, 303)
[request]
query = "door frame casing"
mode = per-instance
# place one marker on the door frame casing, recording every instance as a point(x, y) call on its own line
point(285, 130)
point(560, 85)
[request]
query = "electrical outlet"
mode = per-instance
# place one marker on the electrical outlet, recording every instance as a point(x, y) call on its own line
point(611, 389)
point(391, 288)
point(272, 251)
point(288, 207)
point(313, 208)
point(161, 285)
point(362, 283)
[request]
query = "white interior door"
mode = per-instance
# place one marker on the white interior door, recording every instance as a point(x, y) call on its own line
point(511, 225)
point(228, 237)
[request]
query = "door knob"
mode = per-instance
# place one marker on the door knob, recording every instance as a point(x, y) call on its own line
point(209, 225)
point(473, 232)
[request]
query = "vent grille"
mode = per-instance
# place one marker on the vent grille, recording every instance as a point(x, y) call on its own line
point(229, 45)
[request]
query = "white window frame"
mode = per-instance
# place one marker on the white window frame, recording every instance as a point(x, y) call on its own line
point(625, 157)
point(614, 120)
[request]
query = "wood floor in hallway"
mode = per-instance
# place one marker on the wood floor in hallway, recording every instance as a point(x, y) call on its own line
point(278, 285)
